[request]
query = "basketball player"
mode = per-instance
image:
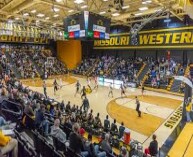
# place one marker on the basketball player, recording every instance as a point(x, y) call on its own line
point(96, 84)
point(142, 89)
point(83, 92)
point(110, 90)
point(122, 90)
point(44, 87)
point(88, 83)
point(138, 107)
point(78, 85)
point(55, 86)
point(45, 74)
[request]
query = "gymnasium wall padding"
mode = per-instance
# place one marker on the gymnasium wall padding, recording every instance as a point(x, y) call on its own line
point(69, 52)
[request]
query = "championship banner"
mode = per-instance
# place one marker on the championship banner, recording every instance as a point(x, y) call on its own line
point(9, 38)
point(151, 39)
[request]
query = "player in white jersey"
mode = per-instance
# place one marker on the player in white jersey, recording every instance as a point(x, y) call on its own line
point(110, 90)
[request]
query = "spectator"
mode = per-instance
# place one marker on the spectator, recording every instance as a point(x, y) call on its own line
point(2, 121)
point(41, 121)
point(8, 144)
point(106, 124)
point(123, 152)
point(28, 109)
point(76, 143)
point(85, 104)
point(121, 130)
point(93, 150)
point(82, 132)
point(57, 132)
point(105, 145)
point(114, 128)
point(62, 106)
point(97, 122)
point(153, 147)
point(188, 110)
point(68, 109)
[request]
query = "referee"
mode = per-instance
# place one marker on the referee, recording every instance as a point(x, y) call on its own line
point(138, 107)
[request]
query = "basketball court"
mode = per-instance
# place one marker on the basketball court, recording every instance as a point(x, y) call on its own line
point(155, 107)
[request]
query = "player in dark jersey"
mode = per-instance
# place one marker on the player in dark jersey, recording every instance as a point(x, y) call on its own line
point(110, 90)
point(44, 87)
point(55, 86)
point(138, 107)
point(83, 92)
point(78, 85)
point(122, 90)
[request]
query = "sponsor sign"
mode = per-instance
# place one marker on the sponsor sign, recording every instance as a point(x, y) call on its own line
point(99, 28)
point(165, 38)
point(74, 28)
point(82, 33)
point(10, 38)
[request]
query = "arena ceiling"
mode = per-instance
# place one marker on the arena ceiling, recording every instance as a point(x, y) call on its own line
point(50, 13)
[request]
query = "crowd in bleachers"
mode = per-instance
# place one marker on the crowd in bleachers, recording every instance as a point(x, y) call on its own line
point(56, 67)
point(161, 71)
point(103, 66)
point(126, 69)
point(111, 67)
point(31, 62)
point(84, 66)
point(23, 63)
point(63, 121)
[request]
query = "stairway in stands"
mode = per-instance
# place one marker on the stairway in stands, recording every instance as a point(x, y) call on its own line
point(13, 66)
point(111, 68)
point(89, 71)
point(173, 84)
point(142, 73)
point(176, 83)
point(39, 70)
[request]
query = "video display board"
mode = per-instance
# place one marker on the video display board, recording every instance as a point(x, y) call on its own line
point(86, 25)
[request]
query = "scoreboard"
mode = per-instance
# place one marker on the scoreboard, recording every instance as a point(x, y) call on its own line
point(86, 25)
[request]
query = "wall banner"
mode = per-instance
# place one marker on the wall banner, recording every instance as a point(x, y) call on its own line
point(153, 39)
point(13, 39)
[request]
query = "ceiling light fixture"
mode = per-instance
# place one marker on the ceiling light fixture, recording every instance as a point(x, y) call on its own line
point(58, 0)
point(25, 14)
point(33, 11)
point(143, 8)
point(115, 14)
point(125, 7)
point(70, 11)
point(102, 12)
point(105, 0)
point(40, 15)
point(47, 18)
point(56, 15)
point(146, 2)
point(137, 14)
point(55, 9)
point(84, 6)
point(78, 1)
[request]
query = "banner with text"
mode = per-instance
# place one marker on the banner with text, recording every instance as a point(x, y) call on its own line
point(13, 39)
point(152, 39)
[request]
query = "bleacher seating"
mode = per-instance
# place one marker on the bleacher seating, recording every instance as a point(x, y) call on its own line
point(29, 62)
point(84, 66)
